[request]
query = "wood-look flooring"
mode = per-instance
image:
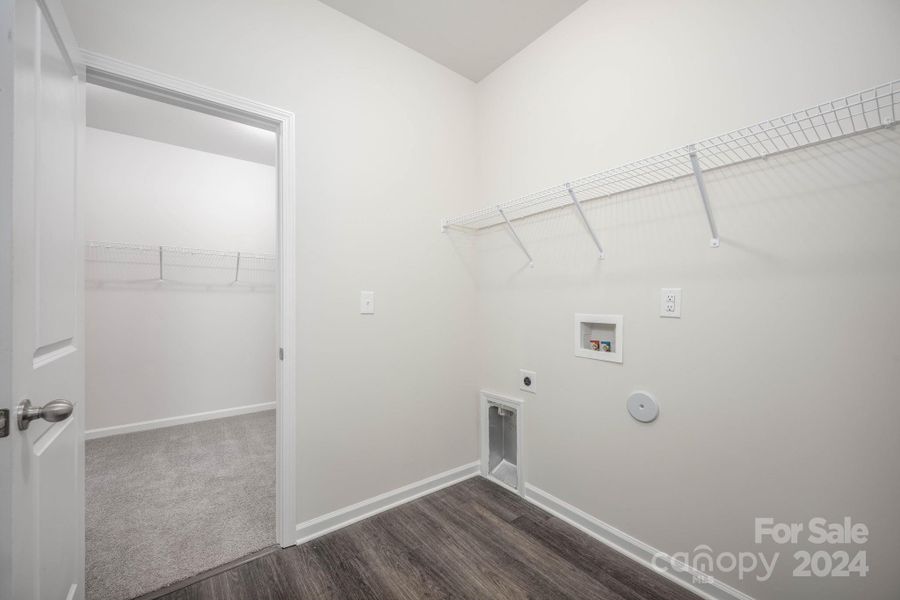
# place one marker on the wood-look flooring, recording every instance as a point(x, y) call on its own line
point(471, 540)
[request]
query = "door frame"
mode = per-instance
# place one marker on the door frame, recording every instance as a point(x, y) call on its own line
point(116, 74)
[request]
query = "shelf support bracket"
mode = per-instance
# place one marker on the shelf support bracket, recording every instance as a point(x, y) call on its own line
point(237, 267)
point(516, 236)
point(584, 220)
point(160, 263)
point(698, 175)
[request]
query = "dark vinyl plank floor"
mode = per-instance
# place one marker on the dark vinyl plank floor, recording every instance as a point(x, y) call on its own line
point(472, 540)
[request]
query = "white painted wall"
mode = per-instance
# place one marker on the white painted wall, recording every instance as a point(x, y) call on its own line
point(764, 412)
point(385, 142)
point(161, 351)
point(778, 386)
point(113, 110)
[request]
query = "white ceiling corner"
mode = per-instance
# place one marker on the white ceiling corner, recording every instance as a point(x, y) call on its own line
point(471, 37)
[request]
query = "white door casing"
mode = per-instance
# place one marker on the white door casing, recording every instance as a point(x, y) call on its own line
point(42, 553)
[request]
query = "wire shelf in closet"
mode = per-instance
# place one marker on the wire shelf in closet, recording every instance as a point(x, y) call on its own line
point(857, 113)
point(139, 263)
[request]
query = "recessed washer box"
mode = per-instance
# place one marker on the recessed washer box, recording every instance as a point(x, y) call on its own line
point(600, 337)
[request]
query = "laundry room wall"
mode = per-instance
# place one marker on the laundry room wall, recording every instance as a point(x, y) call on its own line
point(385, 149)
point(197, 344)
point(777, 385)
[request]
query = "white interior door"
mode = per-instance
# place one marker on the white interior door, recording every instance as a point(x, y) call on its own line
point(42, 551)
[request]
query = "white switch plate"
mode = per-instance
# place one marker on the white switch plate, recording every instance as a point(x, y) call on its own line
point(367, 303)
point(531, 387)
point(670, 303)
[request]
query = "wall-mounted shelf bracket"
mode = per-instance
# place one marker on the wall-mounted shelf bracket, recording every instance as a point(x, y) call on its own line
point(891, 119)
point(515, 236)
point(237, 267)
point(160, 263)
point(584, 220)
point(698, 175)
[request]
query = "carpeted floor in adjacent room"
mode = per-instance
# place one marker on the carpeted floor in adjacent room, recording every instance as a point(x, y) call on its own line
point(166, 504)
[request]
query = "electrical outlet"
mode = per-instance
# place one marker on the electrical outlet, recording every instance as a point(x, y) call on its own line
point(670, 303)
point(367, 303)
point(527, 381)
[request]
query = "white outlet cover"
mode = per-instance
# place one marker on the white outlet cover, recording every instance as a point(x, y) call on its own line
point(532, 388)
point(367, 303)
point(670, 303)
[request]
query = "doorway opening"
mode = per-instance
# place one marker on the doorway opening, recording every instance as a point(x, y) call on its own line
point(189, 404)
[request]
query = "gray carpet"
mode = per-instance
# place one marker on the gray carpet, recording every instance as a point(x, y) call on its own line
point(166, 504)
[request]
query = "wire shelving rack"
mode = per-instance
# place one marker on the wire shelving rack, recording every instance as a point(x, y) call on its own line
point(860, 112)
point(145, 263)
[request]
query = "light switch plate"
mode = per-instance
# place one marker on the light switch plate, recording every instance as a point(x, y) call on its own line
point(367, 303)
point(670, 303)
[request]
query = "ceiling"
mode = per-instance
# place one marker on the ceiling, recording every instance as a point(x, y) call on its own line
point(153, 120)
point(471, 37)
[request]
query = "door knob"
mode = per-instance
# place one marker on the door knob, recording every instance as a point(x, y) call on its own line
point(57, 410)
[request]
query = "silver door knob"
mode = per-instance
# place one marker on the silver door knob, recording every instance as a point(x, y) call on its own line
point(57, 410)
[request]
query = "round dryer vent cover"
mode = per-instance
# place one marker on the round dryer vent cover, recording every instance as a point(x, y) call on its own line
point(642, 407)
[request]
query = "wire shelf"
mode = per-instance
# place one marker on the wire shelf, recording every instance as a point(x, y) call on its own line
point(857, 113)
point(114, 261)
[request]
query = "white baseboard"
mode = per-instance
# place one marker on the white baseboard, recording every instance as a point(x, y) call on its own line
point(313, 528)
point(91, 434)
point(631, 547)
